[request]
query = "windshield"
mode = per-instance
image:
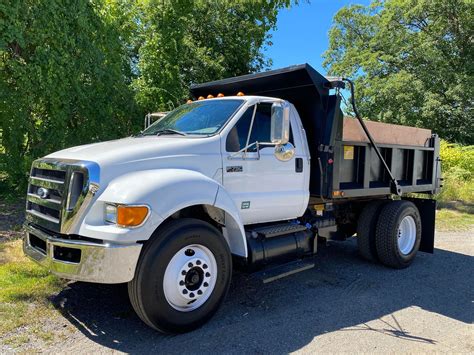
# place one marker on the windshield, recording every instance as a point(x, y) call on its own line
point(196, 118)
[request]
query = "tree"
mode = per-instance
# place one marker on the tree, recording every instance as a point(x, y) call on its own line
point(80, 71)
point(63, 79)
point(185, 41)
point(412, 60)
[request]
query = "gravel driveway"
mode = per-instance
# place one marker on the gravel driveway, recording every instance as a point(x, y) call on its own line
point(342, 305)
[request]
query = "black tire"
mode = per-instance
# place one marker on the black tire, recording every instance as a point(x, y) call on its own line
point(386, 236)
point(146, 290)
point(366, 226)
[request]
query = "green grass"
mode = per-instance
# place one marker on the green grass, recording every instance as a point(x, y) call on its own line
point(25, 291)
point(451, 220)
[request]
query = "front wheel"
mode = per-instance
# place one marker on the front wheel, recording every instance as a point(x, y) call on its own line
point(182, 276)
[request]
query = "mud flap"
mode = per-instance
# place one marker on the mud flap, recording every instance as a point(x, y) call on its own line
point(427, 208)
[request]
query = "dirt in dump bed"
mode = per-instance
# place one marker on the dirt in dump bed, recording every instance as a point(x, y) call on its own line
point(385, 133)
point(12, 216)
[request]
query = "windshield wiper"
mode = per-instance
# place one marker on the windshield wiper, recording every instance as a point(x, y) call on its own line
point(169, 131)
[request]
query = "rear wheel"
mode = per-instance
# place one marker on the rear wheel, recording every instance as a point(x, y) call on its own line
point(366, 230)
point(398, 234)
point(182, 277)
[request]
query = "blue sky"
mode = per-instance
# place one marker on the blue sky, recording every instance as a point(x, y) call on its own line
point(302, 33)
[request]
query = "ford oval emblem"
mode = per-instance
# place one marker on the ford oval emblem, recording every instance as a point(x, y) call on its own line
point(42, 192)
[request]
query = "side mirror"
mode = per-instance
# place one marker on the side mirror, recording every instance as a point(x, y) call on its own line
point(151, 118)
point(280, 123)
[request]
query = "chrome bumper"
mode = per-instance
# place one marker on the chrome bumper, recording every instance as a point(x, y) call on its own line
point(81, 260)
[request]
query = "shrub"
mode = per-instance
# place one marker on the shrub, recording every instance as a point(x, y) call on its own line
point(458, 172)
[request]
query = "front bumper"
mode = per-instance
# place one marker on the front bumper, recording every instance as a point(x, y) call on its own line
point(82, 260)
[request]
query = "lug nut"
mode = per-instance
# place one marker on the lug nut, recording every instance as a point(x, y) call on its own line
point(204, 266)
point(190, 265)
point(199, 292)
point(183, 272)
point(191, 295)
point(208, 274)
point(185, 292)
point(181, 283)
point(198, 262)
point(205, 284)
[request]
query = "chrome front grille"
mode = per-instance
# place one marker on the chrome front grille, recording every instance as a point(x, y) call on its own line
point(58, 191)
point(46, 209)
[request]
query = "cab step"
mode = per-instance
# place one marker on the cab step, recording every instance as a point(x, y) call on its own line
point(276, 230)
point(277, 272)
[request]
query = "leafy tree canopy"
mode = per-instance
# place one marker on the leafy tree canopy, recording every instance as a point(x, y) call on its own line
point(412, 60)
point(62, 79)
point(78, 71)
point(185, 41)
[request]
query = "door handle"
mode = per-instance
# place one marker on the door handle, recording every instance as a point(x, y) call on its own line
point(299, 165)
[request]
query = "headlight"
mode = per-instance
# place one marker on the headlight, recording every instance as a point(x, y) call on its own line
point(126, 216)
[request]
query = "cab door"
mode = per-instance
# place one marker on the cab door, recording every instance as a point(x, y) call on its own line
point(264, 188)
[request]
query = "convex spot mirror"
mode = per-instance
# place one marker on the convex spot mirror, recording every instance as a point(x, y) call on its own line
point(280, 123)
point(284, 152)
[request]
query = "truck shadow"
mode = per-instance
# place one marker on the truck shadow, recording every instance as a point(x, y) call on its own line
point(342, 292)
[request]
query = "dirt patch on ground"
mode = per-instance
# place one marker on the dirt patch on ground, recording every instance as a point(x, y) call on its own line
point(12, 216)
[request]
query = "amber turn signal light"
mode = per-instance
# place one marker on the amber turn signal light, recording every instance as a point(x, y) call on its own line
point(220, 95)
point(240, 93)
point(201, 98)
point(131, 216)
point(210, 96)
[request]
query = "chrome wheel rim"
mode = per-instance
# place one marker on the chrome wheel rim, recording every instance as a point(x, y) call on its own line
point(406, 235)
point(190, 278)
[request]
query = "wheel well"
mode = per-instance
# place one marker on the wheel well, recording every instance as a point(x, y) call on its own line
point(224, 222)
point(206, 213)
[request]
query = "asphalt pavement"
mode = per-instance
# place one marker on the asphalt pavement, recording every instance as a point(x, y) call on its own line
point(344, 304)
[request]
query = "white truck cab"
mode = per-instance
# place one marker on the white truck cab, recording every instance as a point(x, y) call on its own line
point(215, 180)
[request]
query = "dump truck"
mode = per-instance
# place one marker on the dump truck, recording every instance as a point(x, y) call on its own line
point(253, 173)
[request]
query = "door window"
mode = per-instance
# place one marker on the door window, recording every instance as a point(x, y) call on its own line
point(261, 130)
point(237, 138)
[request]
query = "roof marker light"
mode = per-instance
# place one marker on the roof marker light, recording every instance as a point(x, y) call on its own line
point(210, 96)
point(201, 98)
point(240, 93)
point(189, 101)
point(220, 95)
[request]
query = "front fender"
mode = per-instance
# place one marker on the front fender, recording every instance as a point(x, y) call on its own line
point(165, 191)
point(162, 189)
point(234, 229)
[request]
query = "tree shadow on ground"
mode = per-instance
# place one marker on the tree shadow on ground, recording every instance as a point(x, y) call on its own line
point(342, 291)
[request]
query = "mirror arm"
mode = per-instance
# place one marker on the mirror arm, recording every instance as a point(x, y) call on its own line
point(242, 154)
point(250, 129)
point(236, 155)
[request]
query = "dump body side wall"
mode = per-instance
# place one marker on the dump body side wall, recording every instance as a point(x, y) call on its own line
point(351, 169)
point(358, 170)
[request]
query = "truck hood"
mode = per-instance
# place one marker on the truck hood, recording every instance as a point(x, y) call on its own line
point(142, 153)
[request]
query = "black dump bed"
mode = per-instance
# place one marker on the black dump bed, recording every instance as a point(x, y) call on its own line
point(343, 162)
